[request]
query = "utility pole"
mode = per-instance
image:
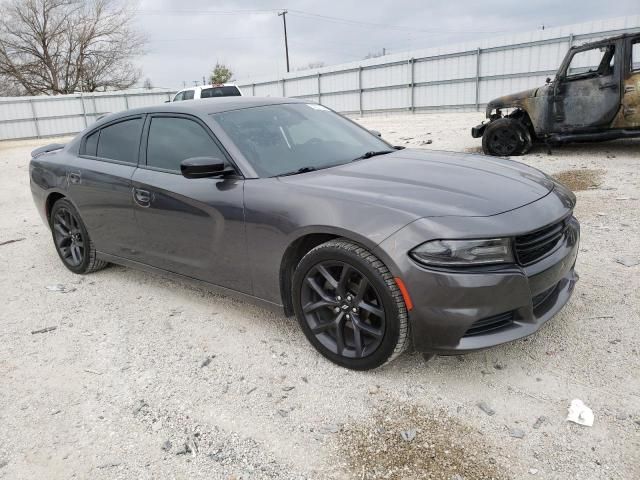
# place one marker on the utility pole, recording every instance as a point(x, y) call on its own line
point(283, 14)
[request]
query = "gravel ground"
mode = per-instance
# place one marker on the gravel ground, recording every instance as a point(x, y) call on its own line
point(146, 377)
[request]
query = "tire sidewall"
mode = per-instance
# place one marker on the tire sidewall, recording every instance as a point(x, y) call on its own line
point(66, 204)
point(392, 325)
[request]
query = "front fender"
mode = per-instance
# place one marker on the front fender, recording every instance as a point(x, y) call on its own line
point(516, 100)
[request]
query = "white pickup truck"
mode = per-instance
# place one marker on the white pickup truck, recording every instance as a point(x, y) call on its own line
point(208, 91)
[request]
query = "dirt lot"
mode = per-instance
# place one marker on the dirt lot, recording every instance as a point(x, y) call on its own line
point(146, 377)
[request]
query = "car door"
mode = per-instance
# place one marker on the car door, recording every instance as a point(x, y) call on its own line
point(587, 91)
point(193, 227)
point(629, 116)
point(99, 180)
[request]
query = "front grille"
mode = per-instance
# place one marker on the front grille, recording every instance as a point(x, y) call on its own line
point(536, 245)
point(490, 324)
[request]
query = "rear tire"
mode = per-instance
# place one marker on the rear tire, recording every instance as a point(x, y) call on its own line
point(506, 137)
point(349, 306)
point(71, 239)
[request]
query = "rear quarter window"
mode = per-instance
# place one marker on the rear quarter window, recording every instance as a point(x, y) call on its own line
point(229, 91)
point(119, 141)
point(91, 144)
point(188, 95)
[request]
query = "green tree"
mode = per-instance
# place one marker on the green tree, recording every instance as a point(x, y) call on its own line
point(221, 74)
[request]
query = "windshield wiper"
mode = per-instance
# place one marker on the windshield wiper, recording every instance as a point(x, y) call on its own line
point(295, 172)
point(372, 154)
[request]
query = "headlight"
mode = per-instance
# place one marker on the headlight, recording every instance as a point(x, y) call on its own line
point(444, 253)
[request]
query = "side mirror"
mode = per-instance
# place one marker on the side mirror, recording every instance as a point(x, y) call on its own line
point(548, 80)
point(376, 133)
point(203, 167)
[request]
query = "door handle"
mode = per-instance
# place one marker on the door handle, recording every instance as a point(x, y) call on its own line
point(74, 177)
point(142, 197)
point(608, 85)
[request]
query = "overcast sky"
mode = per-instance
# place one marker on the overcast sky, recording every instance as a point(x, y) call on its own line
point(186, 38)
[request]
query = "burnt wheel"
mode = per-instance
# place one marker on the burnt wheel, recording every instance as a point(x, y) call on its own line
point(71, 239)
point(349, 306)
point(505, 137)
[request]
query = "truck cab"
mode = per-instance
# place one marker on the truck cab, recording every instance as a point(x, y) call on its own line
point(595, 96)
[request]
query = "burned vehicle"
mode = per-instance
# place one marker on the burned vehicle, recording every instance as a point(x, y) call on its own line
point(595, 96)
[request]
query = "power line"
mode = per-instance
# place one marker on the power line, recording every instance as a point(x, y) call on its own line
point(207, 12)
point(348, 21)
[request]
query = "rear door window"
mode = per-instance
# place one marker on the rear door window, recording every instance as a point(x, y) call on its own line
point(229, 91)
point(172, 140)
point(188, 95)
point(120, 141)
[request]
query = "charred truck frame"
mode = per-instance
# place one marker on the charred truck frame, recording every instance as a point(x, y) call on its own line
point(595, 96)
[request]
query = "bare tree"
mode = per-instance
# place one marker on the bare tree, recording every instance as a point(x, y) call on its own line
point(147, 84)
point(312, 66)
point(62, 46)
point(380, 53)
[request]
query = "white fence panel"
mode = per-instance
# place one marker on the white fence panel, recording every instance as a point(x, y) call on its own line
point(273, 89)
point(385, 76)
point(340, 81)
point(32, 117)
point(302, 86)
point(447, 68)
point(341, 102)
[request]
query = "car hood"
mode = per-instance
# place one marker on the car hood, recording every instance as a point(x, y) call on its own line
point(518, 99)
point(429, 183)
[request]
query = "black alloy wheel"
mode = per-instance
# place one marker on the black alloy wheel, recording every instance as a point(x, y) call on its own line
point(68, 237)
point(349, 305)
point(342, 309)
point(71, 239)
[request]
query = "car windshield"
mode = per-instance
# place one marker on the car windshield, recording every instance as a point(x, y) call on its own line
point(297, 137)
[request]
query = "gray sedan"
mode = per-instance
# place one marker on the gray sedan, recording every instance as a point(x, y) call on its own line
point(284, 202)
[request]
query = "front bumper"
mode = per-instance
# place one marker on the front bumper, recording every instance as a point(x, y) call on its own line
point(478, 130)
point(463, 311)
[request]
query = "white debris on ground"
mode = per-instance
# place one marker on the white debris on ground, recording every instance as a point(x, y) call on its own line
point(579, 413)
point(131, 375)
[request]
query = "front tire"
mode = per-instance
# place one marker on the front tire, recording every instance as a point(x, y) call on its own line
point(349, 306)
point(71, 239)
point(505, 137)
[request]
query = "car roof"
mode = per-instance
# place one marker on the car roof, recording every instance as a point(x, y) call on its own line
point(204, 106)
point(605, 40)
point(202, 87)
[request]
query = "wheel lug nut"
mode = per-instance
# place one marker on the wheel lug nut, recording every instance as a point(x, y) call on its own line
point(338, 298)
point(336, 310)
point(348, 316)
point(349, 298)
point(354, 309)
